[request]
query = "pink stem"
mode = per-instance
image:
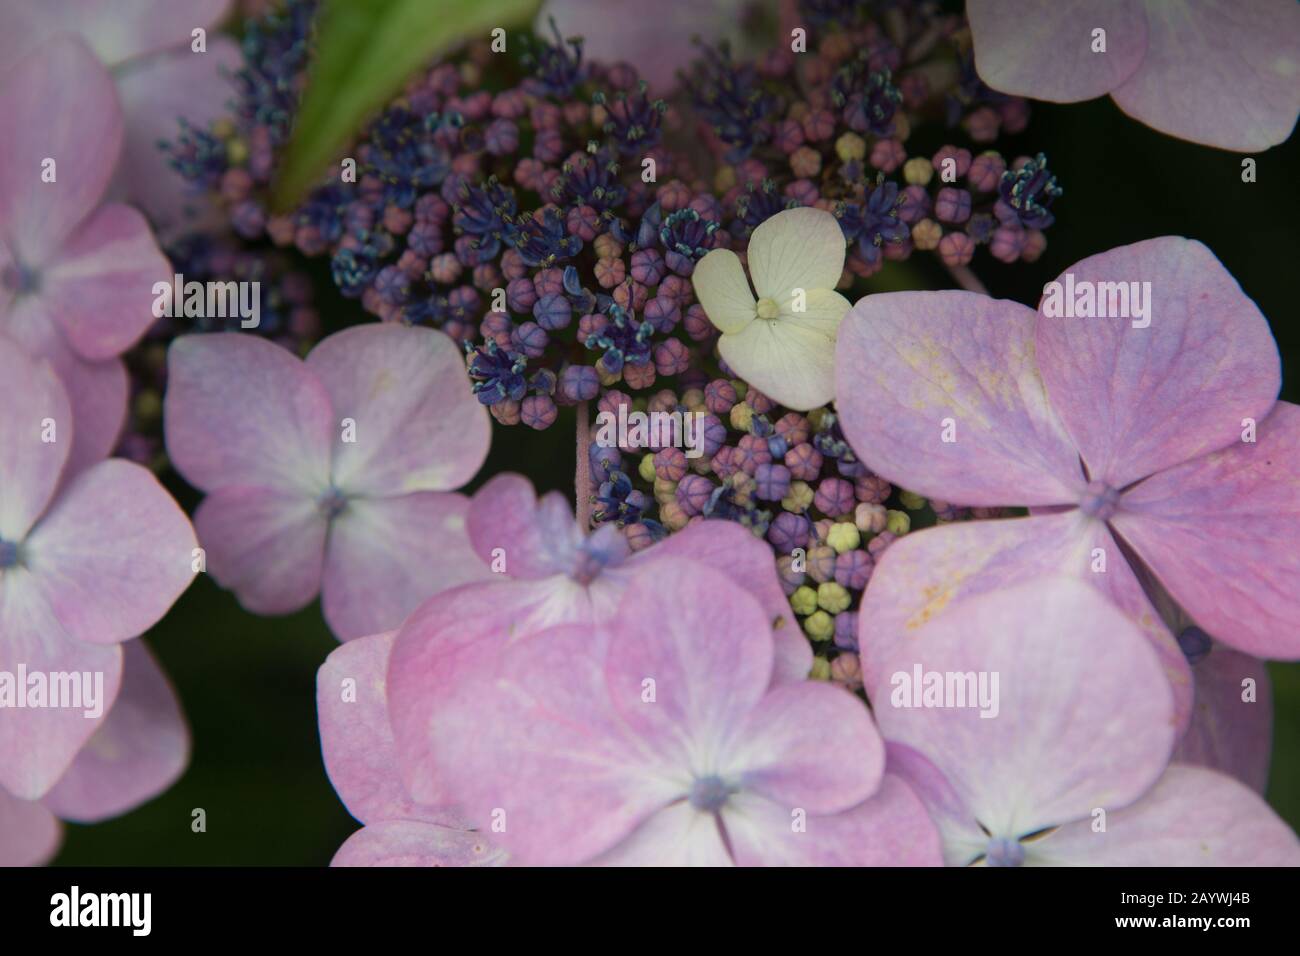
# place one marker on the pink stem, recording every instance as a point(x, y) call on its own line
point(967, 279)
point(582, 471)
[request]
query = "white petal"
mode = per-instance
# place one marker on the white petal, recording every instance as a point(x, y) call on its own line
point(789, 363)
point(823, 309)
point(796, 249)
point(723, 290)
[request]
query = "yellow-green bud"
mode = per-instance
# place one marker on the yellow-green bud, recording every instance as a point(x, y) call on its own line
point(819, 626)
point(911, 500)
point(665, 491)
point(833, 597)
point(843, 537)
point(799, 498)
point(821, 669)
point(850, 146)
point(803, 600)
point(918, 171)
point(741, 417)
point(898, 522)
point(647, 468)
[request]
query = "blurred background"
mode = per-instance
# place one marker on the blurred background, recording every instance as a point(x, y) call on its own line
point(247, 684)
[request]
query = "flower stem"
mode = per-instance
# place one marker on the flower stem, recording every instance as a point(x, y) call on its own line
point(967, 279)
point(582, 471)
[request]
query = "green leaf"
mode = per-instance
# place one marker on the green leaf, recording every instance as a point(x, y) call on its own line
point(365, 52)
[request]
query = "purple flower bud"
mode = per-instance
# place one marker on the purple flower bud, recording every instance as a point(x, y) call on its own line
point(579, 383)
point(804, 462)
point(789, 531)
point(521, 296)
point(846, 630)
point(670, 464)
point(821, 563)
point(853, 569)
point(751, 451)
point(501, 137)
point(834, 497)
point(956, 249)
point(671, 357)
point(773, 481)
point(693, 493)
point(719, 396)
point(537, 411)
point(553, 312)
point(952, 204)
point(530, 338)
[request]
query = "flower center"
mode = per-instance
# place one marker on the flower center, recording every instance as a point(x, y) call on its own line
point(8, 554)
point(20, 279)
point(1195, 644)
point(332, 502)
point(1002, 851)
point(708, 794)
point(768, 309)
point(1099, 500)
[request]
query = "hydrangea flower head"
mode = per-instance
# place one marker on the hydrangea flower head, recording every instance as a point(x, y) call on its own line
point(1074, 767)
point(329, 475)
point(1165, 436)
point(76, 274)
point(1223, 74)
point(654, 739)
point(88, 560)
point(781, 340)
point(547, 573)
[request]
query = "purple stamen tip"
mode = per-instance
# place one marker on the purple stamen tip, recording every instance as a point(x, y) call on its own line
point(1003, 851)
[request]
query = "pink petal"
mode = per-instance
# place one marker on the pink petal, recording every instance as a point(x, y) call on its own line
point(156, 92)
point(242, 411)
point(97, 390)
point(747, 560)
point(29, 833)
point(1136, 400)
point(1191, 817)
point(939, 392)
point(507, 522)
point(57, 103)
point(1219, 74)
point(889, 829)
point(923, 574)
point(1084, 717)
point(113, 553)
point(414, 843)
point(38, 744)
point(99, 289)
point(1043, 48)
point(1210, 531)
point(791, 750)
point(117, 31)
point(267, 546)
point(30, 393)
point(357, 739)
point(418, 425)
point(960, 835)
point(136, 754)
point(387, 556)
point(446, 650)
point(546, 757)
point(1231, 729)
point(710, 663)
point(677, 835)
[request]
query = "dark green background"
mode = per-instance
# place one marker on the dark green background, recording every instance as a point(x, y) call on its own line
point(248, 683)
